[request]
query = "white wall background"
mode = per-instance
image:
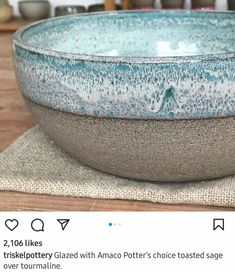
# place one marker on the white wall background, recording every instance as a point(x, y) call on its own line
point(220, 4)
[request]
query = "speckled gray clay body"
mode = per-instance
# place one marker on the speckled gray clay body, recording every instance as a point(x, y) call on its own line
point(179, 150)
point(132, 99)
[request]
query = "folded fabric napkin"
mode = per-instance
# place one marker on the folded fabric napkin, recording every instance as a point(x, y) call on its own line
point(34, 164)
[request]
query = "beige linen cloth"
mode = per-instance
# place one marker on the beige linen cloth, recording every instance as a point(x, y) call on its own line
point(34, 164)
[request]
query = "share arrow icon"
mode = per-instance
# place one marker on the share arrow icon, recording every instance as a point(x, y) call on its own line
point(63, 222)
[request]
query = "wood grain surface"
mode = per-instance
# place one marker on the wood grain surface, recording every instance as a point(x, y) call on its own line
point(13, 201)
point(15, 119)
point(13, 25)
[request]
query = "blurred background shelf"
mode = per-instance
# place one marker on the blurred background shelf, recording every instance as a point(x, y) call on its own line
point(13, 25)
point(110, 4)
point(17, 22)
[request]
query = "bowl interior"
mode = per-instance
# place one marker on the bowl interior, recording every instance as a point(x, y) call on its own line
point(137, 34)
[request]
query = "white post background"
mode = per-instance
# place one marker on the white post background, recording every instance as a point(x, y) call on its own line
point(184, 232)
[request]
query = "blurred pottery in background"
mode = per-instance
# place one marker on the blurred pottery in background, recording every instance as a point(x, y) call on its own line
point(142, 4)
point(34, 9)
point(67, 10)
point(172, 4)
point(100, 7)
point(6, 11)
point(231, 4)
point(203, 4)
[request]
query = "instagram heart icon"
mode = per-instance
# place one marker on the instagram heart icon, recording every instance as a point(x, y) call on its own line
point(11, 224)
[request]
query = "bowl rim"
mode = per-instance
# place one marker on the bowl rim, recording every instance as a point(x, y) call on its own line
point(19, 41)
point(32, 1)
point(68, 6)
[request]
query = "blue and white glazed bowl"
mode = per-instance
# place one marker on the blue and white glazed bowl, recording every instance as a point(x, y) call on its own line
point(146, 95)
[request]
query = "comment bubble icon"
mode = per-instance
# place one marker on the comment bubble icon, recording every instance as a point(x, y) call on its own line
point(37, 225)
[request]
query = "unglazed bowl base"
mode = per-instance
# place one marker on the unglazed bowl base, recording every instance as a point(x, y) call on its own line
point(153, 150)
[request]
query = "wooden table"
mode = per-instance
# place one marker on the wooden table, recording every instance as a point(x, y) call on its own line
point(12, 25)
point(15, 119)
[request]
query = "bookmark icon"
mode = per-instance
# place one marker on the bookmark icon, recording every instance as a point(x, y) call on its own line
point(63, 223)
point(218, 224)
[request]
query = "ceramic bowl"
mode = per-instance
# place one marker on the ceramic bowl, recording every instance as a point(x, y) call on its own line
point(34, 9)
point(172, 4)
point(142, 4)
point(100, 7)
point(231, 4)
point(68, 10)
point(145, 95)
point(203, 4)
point(6, 13)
